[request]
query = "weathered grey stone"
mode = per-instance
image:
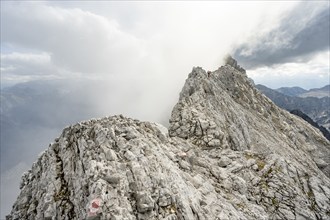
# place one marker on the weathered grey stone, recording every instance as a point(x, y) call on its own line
point(165, 198)
point(230, 153)
point(144, 202)
point(112, 179)
point(224, 161)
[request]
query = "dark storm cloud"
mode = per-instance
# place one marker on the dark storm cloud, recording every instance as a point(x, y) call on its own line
point(302, 33)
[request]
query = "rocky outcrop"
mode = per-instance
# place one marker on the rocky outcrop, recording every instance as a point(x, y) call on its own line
point(233, 63)
point(229, 153)
point(316, 108)
point(302, 115)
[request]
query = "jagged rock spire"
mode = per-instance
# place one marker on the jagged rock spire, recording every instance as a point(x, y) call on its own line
point(232, 62)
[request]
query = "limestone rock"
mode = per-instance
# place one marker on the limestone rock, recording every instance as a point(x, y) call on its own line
point(229, 153)
point(232, 62)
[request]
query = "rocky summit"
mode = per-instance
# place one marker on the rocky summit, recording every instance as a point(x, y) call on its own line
point(229, 153)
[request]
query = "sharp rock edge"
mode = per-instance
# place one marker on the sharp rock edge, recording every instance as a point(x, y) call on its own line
point(229, 153)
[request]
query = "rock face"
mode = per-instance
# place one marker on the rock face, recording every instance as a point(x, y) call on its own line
point(316, 108)
point(233, 63)
point(323, 130)
point(230, 153)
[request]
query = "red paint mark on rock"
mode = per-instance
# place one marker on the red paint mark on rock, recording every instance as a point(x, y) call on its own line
point(95, 205)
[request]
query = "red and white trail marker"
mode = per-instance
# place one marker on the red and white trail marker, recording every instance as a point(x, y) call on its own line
point(94, 206)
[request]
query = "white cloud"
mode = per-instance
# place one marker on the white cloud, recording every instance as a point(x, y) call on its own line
point(27, 57)
point(19, 67)
point(152, 45)
point(312, 74)
point(77, 40)
point(144, 49)
point(299, 34)
point(147, 38)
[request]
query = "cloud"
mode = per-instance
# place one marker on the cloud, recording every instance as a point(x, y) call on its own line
point(10, 187)
point(311, 74)
point(26, 66)
point(76, 40)
point(145, 38)
point(302, 33)
point(151, 41)
point(129, 58)
point(154, 49)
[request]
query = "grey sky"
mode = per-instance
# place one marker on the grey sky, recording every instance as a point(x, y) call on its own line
point(301, 33)
point(156, 39)
point(151, 39)
point(143, 51)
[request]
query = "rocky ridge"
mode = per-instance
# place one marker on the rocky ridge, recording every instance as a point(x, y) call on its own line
point(229, 153)
point(302, 115)
point(315, 108)
point(317, 92)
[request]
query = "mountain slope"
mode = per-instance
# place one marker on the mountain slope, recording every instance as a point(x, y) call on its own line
point(35, 112)
point(316, 108)
point(300, 92)
point(230, 153)
point(319, 93)
point(323, 130)
point(291, 91)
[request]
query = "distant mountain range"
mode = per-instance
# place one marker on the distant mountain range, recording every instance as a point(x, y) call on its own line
point(307, 101)
point(302, 115)
point(291, 91)
point(319, 93)
point(300, 92)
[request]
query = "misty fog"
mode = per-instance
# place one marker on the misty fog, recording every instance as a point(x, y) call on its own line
point(64, 62)
point(33, 114)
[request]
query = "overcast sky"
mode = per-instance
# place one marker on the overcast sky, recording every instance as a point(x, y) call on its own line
point(279, 43)
point(143, 52)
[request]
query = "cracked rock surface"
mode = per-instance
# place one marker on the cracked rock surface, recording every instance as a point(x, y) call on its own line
point(229, 153)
